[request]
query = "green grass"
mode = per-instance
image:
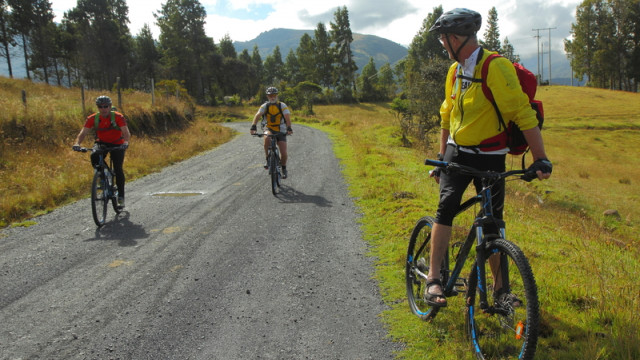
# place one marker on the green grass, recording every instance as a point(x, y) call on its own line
point(585, 263)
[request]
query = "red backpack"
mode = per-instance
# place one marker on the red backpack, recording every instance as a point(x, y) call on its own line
point(515, 138)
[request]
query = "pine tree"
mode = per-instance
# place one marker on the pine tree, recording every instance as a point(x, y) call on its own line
point(508, 51)
point(345, 68)
point(492, 34)
point(324, 56)
point(306, 55)
point(6, 35)
point(226, 47)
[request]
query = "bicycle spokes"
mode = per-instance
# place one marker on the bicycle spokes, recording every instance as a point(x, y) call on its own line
point(507, 327)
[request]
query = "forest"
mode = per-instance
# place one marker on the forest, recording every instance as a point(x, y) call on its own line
point(92, 46)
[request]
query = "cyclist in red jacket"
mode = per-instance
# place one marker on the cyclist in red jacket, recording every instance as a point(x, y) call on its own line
point(111, 130)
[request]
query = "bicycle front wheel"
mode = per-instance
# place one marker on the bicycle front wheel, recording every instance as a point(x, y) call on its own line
point(417, 268)
point(508, 328)
point(99, 198)
point(273, 169)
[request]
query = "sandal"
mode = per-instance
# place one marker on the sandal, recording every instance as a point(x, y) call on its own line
point(506, 299)
point(432, 298)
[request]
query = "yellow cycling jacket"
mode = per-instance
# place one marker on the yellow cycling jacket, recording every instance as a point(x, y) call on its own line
point(471, 118)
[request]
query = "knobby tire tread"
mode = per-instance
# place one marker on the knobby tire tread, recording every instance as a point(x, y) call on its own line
point(532, 310)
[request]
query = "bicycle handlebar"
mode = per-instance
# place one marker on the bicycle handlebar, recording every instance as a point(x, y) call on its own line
point(261, 135)
point(105, 149)
point(447, 167)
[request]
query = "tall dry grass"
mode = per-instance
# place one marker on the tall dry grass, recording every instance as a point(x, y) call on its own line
point(38, 169)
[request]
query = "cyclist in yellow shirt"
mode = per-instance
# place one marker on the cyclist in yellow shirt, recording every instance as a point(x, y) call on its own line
point(277, 118)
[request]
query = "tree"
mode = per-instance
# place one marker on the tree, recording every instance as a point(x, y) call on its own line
point(424, 73)
point(104, 43)
point(386, 83)
point(424, 47)
point(306, 55)
point(245, 57)
point(292, 74)
point(324, 56)
point(274, 68)
point(345, 68)
point(367, 82)
point(43, 39)
point(492, 34)
point(508, 51)
point(307, 90)
point(146, 58)
point(22, 22)
point(604, 43)
point(184, 45)
point(226, 47)
point(256, 60)
point(6, 35)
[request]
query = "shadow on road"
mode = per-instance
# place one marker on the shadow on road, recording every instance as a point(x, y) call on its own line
point(290, 195)
point(121, 229)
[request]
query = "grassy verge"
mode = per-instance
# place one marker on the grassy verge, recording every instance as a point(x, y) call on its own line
point(585, 262)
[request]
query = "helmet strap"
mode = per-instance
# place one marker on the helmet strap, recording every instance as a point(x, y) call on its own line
point(456, 53)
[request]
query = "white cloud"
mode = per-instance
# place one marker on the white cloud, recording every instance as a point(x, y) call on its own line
point(396, 20)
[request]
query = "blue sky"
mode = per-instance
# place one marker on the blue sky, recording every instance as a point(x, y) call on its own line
point(396, 20)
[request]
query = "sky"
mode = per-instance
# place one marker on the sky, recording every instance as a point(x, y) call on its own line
point(395, 20)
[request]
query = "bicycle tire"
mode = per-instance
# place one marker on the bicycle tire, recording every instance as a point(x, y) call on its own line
point(114, 198)
point(418, 251)
point(278, 168)
point(507, 331)
point(99, 199)
point(273, 170)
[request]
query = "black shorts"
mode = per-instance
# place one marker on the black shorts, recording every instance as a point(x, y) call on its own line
point(280, 136)
point(453, 186)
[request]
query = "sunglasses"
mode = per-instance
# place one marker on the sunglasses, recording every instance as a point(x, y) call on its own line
point(103, 107)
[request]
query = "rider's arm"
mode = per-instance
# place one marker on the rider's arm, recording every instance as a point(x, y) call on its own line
point(256, 117)
point(81, 136)
point(126, 135)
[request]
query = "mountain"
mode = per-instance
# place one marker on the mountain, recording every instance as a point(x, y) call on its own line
point(363, 46)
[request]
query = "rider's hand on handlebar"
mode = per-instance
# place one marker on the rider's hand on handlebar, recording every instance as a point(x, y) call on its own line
point(253, 129)
point(435, 173)
point(125, 146)
point(76, 148)
point(540, 169)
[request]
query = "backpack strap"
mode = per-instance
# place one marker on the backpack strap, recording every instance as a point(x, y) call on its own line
point(96, 122)
point(485, 88)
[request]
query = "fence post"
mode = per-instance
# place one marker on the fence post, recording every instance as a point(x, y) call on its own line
point(119, 94)
point(84, 110)
point(153, 92)
point(24, 99)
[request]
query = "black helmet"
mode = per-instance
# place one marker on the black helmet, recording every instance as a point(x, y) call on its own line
point(103, 100)
point(271, 90)
point(458, 21)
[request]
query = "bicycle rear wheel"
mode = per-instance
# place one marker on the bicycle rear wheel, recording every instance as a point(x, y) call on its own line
point(417, 268)
point(99, 198)
point(509, 328)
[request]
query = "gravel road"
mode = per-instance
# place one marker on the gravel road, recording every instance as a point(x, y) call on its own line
point(204, 263)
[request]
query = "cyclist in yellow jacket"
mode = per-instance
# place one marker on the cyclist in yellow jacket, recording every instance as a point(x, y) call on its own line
point(471, 134)
point(277, 119)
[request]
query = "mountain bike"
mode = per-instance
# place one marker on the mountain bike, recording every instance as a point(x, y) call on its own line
point(103, 187)
point(273, 161)
point(500, 323)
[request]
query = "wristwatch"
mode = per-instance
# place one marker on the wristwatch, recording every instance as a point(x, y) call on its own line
point(440, 157)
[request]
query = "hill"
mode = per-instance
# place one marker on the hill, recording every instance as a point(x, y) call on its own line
point(364, 46)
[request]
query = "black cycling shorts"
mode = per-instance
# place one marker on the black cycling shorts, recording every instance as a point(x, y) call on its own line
point(453, 186)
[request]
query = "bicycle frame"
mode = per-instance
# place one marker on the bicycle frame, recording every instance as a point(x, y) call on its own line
point(484, 217)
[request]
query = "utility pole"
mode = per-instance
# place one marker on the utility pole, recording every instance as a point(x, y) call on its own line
point(538, 55)
point(549, 50)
